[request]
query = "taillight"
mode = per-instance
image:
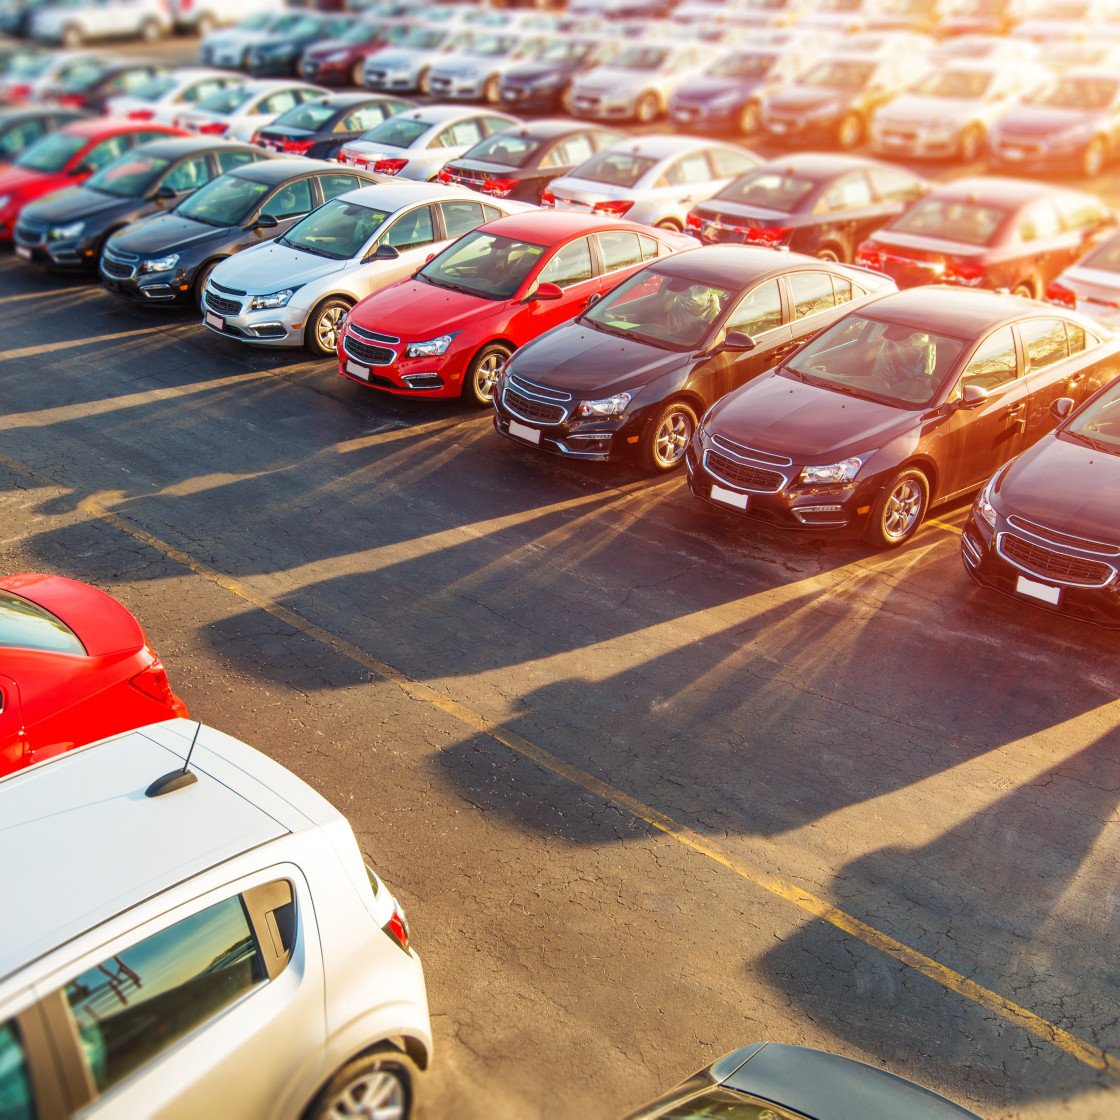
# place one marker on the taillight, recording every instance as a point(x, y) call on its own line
point(213, 128)
point(964, 272)
point(768, 235)
point(548, 198)
point(397, 928)
point(1058, 293)
point(390, 166)
point(71, 100)
point(153, 683)
point(141, 114)
point(298, 147)
point(692, 222)
point(869, 258)
point(500, 188)
point(445, 176)
point(616, 208)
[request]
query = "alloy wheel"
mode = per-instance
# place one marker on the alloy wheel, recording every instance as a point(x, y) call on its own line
point(902, 510)
point(329, 327)
point(486, 376)
point(672, 438)
point(378, 1095)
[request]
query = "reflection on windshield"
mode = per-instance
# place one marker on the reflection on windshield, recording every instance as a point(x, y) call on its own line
point(769, 189)
point(129, 177)
point(618, 169)
point(1079, 93)
point(339, 230)
point(1100, 421)
point(483, 264)
point(1106, 256)
point(838, 75)
point(950, 220)
point(227, 201)
point(397, 132)
point(225, 100)
point(52, 153)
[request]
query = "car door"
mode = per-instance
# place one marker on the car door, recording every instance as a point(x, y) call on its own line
point(846, 213)
point(413, 234)
point(687, 180)
point(287, 204)
point(13, 735)
point(571, 267)
point(1053, 350)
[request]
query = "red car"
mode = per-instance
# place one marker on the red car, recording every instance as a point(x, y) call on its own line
point(75, 667)
point(449, 330)
point(66, 158)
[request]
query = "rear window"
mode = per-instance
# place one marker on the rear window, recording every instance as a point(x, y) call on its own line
point(950, 220)
point(1106, 257)
point(504, 149)
point(618, 169)
point(769, 189)
point(312, 116)
point(23, 625)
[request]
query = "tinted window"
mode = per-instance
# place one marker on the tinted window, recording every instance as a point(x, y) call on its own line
point(772, 189)
point(994, 363)
point(338, 230)
point(852, 192)
point(1099, 423)
point(462, 217)
point(224, 202)
point(811, 291)
point(1044, 341)
point(279, 102)
point(953, 220)
point(842, 289)
point(893, 186)
point(505, 149)
point(15, 1083)
point(289, 201)
point(19, 137)
point(727, 164)
point(690, 169)
point(227, 161)
point(465, 134)
point(619, 249)
point(23, 625)
point(619, 169)
point(569, 153)
point(411, 230)
point(571, 265)
point(334, 185)
point(189, 175)
point(136, 1004)
point(759, 310)
point(483, 264)
point(1040, 222)
point(490, 213)
point(366, 117)
point(130, 176)
point(398, 132)
point(1075, 336)
point(650, 247)
point(311, 116)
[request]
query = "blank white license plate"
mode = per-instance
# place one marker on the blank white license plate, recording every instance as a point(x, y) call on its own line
point(730, 497)
point(778, 126)
point(356, 370)
point(1047, 594)
point(215, 321)
point(23, 252)
point(1013, 153)
point(523, 431)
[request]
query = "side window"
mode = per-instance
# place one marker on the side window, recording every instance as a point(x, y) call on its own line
point(994, 363)
point(852, 192)
point(132, 79)
point(1075, 336)
point(842, 289)
point(489, 213)
point(334, 185)
point(650, 247)
point(1040, 222)
point(227, 161)
point(362, 120)
point(1079, 213)
point(727, 164)
point(811, 291)
point(280, 102)
point(463, 134)
point(571, 265)
point(462, 217)
point(892, 186)
point(134, 1005)
point(687, 169)
point(570, 152)
point(202, 90)
point(411, 230)
point(147, 138)
point(303, 95)
point(758, 311)
point(619, 249)
point(290, 201)
point(189, 175)
point(491, 125)
point(1044, 340)
point(107, 151)
point(15, 1082)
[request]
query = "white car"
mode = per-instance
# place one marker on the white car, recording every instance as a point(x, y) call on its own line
point(298, 289)
point(34, 75)
point(654, 179)
point(216, 949)
point(166, 95)
point(405, 64)
point(238, 112)
point(73, 22)
point(200, 17)
point(417, 143)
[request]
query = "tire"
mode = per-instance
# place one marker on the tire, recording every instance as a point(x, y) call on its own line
point(667, 437)
point(324, 327)
point(357, 74)
point(970, 144)
point(671, 224)
point(71, 37)
point(899, 510)
point(423, 83)
point(750, 119)
point(1024, 288)
point(200, 278)
point(849, 132)
point(830, 253)
point(478, 385)
point(566, 101)
point(150, 31)
point(385, 1080)
point(1093, 158)
point(647, 108)
point(491, 90)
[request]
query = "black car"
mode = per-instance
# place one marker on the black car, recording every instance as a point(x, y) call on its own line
point(67, 229)
point(815, 203)
point(319, 128)
point(20, 128)
point(637, 371)
point(543, 84)
point(167, 258)
point(278, 53)
point(521, 161)
point(90, 86)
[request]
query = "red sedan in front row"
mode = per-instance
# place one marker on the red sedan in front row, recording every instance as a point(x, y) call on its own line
point(75, 667)
point(449, 330)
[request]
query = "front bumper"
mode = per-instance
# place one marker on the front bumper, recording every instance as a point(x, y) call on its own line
point(794, 130)
point(1035, 155)
point(603, 106)
point(76, 255)
point(457, 87)
point(377, 77)
point(534, 99)
point(326, 73)
point(225, 313)
point(283, 66)
point(914, 143)
point(706, 116)
point(121, 276)
point(376, 361)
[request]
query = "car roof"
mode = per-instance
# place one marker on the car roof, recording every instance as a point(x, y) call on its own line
point(725, 266)
point(662, 145)
point(108, 126)
point(345, 100)
point(176, 146)
point(956, 312)
point(440, 114)
point(84, 844)
point(820, 166)
point(830, 1087)
point(279, 170)
point(995, 188)
point(393, 194)
point(548, 227)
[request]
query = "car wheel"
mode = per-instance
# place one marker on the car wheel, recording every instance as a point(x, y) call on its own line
point(899, 510)
point(381, 1086)
point(750, 118)
point(71, 37)
point(670, 224)
point(646, 108)
point(491, 92)
point(424, 83)
point(1092, 161)
point(324, 327)
point(200, 279)
point(1024, 288)
point(358, 73)
point(849, 132)
point(667, 438)
point(829, 253)
point(150, 31)
point(970, 144)
point(482, 373)
point(566, 100)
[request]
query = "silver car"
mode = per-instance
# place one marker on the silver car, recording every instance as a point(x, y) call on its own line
point(416, 144)
point(230, 46)
point(298, 289)
point(652, 179)
point(474, 72)
point(406, 64)
point(164, 95)
point(239, 112)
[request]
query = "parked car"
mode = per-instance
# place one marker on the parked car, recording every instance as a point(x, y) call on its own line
point(92, 86)
point(76, 668)
point(653, 179)
point(822, 204)
point(341, 61)
point(16, 15)
point(986, 48)
point(521, 161)
point(1092, 284)
point(1051, 20)
point(988, 232)
point(29, 76)
point(473, 72)
point(218, 948)
point(72, 24)
point(20, 128)
point(167, 258)
point(898, 407)
point(319, 129)
point(404, 65)
point(239, 112)
point(634, 373)
point(543, 84)
point(1095, 52)
point(1046, 528)
point(1073, 124)
point(166, 94)
point(449, 330)
point(66, 158)
point(298, 289)
point(202, 17)
point(982, 17)
point(229, 46)
point(920, 16)
point(417, 143)
point(812, 1084)
point(277, 52)
point(67, 230)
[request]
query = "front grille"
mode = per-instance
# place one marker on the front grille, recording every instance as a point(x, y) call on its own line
point(1082, 544)
point(534, 390)
point(29, 235)
point(366, 354)
point(119, 270)
point(1058, 567)
point(537, 412)
point(745, 451)
point(373, 336)
point(228, 291)
point(375, 75)
point(223, 306)
point(741, 475)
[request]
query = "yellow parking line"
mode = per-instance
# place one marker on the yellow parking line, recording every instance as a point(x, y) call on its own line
point(945, 525)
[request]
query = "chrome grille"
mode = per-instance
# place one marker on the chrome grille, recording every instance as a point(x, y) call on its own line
point(534, 390)
point(366, 354)
point(531, 409)
point(745, 451)
point(1057, 567)
point(228, 291)
point(742, 475)
point(1052, 536)
point(30, 235)
point(372, 336)
point(222, 306)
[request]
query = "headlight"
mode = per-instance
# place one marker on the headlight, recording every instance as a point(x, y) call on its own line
point(269, 302)
point(609, 406)
point(835, 472)
point(66, 233)
point(432, 348)
point(161, 264)
point(985, 510)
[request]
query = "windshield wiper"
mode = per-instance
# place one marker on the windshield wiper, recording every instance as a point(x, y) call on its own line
point(1095, 444)
point(445, 284)
point(204, 221)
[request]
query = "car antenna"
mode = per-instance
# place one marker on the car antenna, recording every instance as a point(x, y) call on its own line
point(176, 779)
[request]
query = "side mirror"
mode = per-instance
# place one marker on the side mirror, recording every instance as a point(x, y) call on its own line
point(972, 396)
point(79, 171)
point(165, 193)
point(265, 221)
point(1062, 407)
point(738, 342)
point(429, 258)
point(545, 291)
point(386, 253)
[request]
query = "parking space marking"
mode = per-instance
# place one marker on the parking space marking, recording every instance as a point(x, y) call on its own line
point(945, 526)
point(75, 343)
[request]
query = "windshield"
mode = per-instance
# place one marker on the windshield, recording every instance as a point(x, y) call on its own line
point(311, 115)
point(483, 264)
point(155, 87)
point(1099, 423)
point(1079, 93)
point(283, 24)
point(1105, 256)
point(489, 45)
point(338, 229)
point(226, 201)
point(640, 58)
point(770, 189)
point(421, 38)
point(617, 169)
point(838, 74)
point(955, 83)
point(744, 66)
point(397, 132)
point(131, 176)
point(504, 149)
point(225, 100)
point(952, 220)
point(561, 51)
point(896, 364)
point(360, 33)
point(672, 312)
point(52, 153)
point(24, 625)
point(257, 22)
point(83, 77)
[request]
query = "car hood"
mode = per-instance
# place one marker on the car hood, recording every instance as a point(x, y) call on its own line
point(806, 422)
point(22, 180)
point(1042, 120)
point(805, 99)
point(589, 363)
point(331, 46)
point(414, 311)
point(459, 65)
point(78, 202)
point(1065, 486)
point(270, 267)
point(390, 58)
point(167, 233)
point(700, 91)
point(915, 109)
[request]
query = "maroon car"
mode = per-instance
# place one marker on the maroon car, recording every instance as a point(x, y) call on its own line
point(1046, 528)
point(910, 401)
point(340, 62)
point(989, 232)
